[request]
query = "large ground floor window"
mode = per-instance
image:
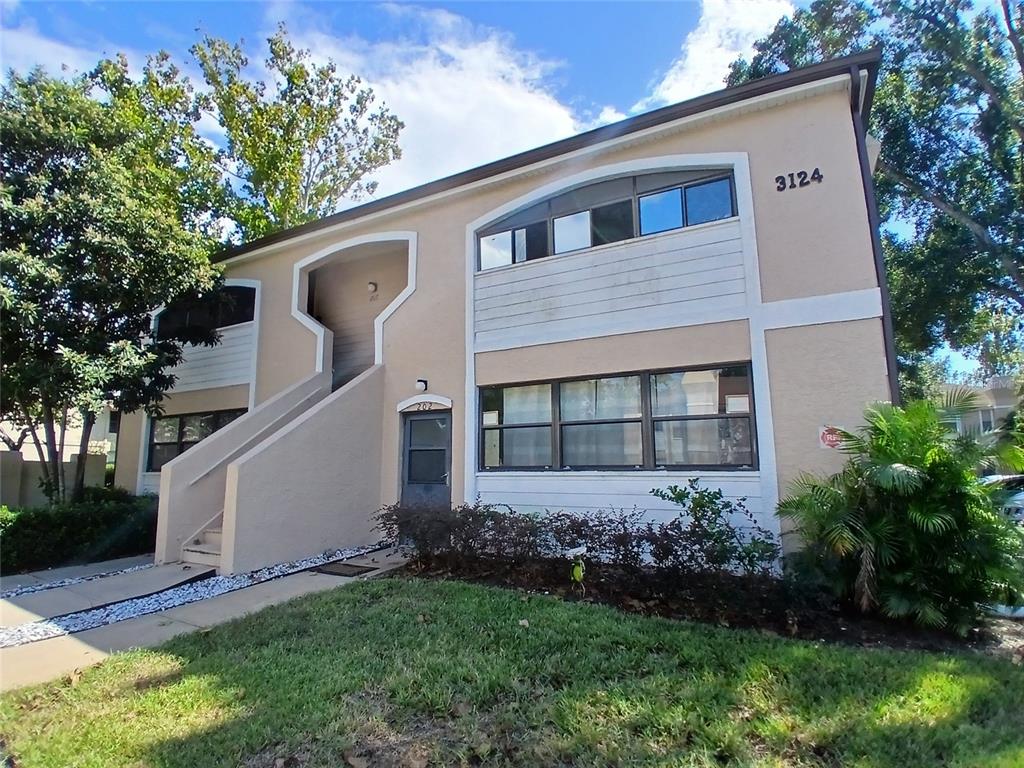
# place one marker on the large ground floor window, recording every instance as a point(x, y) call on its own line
point(170, 436)
point(692, 418)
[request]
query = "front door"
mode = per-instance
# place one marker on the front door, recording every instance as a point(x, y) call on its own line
point(427, 459)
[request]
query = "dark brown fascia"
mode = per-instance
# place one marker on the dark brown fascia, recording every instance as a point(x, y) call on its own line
point(866, 61)
point(860, 121)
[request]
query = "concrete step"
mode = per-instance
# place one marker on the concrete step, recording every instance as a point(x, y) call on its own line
point(211, 537)
point(202, 554)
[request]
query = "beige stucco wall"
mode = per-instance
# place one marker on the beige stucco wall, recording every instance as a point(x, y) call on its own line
point(307, 491)
point(821, 375)
point(129, 439)
point(19, 477)
point(692, 345)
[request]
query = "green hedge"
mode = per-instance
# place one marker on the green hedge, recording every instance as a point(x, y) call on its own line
point(107, 523)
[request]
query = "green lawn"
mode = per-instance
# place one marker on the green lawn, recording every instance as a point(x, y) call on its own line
point(415, 673)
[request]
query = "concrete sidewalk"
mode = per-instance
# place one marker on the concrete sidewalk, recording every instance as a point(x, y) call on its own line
point(46, 660)
point(84, 595)
point(71, 572)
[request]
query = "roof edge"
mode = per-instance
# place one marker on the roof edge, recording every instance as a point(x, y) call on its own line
point(867, 61)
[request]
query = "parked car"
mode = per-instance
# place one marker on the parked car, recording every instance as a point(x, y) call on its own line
point(1011, 494)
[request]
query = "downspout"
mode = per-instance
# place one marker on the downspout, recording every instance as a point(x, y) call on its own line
point(874, 225)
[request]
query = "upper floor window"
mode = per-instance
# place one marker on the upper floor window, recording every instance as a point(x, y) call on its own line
point(231, 305)
point(608, 212)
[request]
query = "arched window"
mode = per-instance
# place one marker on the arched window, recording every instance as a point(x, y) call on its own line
point(608, 212)
point(231, 305)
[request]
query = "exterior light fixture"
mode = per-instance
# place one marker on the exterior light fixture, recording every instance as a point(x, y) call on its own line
point(371, 287)
point(421, 385)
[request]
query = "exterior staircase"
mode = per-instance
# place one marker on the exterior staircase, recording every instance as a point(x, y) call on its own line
point(203, 549)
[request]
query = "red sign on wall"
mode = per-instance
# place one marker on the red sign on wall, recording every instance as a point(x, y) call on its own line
point(829, 436)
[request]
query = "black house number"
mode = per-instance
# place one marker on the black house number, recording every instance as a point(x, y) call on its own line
point(798, 179)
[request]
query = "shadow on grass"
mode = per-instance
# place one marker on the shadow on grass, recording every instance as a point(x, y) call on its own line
point(408, 673)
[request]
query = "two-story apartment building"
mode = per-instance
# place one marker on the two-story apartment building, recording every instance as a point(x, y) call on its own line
point(695, 291)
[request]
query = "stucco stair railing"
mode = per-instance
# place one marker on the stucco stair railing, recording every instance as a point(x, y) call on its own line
point(311, 486)
point(192, 486)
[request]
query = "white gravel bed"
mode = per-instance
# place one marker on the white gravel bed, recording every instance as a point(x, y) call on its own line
point(168, 598)
point(30, 588)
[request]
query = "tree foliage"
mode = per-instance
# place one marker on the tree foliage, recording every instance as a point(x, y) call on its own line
point(300, 145)
point(101, 226)
point(949, 112)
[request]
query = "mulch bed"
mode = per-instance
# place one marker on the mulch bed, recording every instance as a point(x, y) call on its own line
point(771, 605)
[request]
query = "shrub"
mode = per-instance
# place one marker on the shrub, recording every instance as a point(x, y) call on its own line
point(704, 538)
point(907, 528)
point(107, 523)
point(701, 539)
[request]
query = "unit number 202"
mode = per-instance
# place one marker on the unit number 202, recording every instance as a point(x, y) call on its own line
point(797, 179)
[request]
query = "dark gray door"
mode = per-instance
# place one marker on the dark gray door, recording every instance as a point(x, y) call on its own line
point(427, 458)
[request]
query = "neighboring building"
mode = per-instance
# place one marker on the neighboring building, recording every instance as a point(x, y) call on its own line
point(997, 400)
point(695, 291)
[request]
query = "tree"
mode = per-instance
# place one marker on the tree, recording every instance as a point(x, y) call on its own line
point(300, 146)
point(949, 111)
point(104, 220)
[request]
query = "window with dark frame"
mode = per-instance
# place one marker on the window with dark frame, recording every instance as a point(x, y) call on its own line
point(170, 436)
point(608, 212)
point(691, 418)
point(231, 305)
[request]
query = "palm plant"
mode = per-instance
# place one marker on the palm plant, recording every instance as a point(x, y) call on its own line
point(907, 527)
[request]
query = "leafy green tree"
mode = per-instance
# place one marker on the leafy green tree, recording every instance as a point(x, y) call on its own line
point(104, 220)
point(303, 144)
point(907, 528)
point(949, 112)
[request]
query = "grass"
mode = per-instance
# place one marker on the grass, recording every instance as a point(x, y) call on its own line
point(415, 673)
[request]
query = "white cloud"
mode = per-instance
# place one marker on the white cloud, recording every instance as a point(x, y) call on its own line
point(467, 95)
point(24, 47)
point(727, 29)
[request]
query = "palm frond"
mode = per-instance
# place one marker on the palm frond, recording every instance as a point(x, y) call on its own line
point(958, 401)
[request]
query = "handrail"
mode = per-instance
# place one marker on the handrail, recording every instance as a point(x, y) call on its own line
point(238, 450)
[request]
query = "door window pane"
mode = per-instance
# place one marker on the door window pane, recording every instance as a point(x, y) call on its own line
point(517, 447)
point(596, 445)
point(496, 250)
point(593, 399)
point(703, 442)
point(572, 232)
point(611, 223)
point(709, 202)
point(428, 466)
point(530, 404)
point(661, 212)
point(428, 433)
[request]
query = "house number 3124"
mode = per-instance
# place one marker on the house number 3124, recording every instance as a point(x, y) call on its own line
point(797, 179)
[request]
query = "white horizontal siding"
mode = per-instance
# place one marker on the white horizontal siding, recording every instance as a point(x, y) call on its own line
point(227, 363)
point(583, 492)
point(653, 282)
point(150, 483)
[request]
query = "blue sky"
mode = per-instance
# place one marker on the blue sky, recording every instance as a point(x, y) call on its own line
point(473, 82)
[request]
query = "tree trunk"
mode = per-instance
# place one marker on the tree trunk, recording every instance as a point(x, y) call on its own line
point(60, 455)
point(34, 432)
point(53, 488)
point(78, 483)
